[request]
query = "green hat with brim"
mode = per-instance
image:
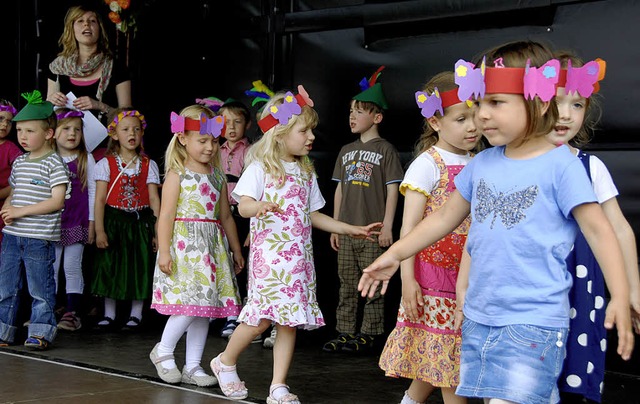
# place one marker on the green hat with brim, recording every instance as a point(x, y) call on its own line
point(36, 108)
point(373, 94)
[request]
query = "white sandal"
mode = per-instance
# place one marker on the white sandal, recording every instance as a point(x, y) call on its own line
point(233, 390)
point(172, 376)
point(288, 398)
point(190, 377)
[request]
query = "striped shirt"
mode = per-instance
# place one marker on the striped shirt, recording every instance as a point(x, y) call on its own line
point(32, 181)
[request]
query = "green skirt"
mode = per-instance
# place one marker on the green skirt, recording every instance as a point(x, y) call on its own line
point(124, 270)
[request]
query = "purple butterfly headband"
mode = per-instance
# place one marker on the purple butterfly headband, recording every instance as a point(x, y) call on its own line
point(123, 114)
point(70, 114)
point(291, 105)
point(9, 108)
point(205, 126)
point(437, 101)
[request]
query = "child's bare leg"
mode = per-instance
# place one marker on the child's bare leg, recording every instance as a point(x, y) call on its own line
point(449, 396)
point(282, 356)
point(419, 391)
point(240, 340)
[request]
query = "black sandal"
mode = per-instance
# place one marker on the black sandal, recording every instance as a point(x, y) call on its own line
point(108, 326)
point(135, 320)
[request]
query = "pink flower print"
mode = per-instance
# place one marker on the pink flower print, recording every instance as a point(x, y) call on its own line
point(181, 245)
point(259, 237)
point(213, 196)
point(275, 261)
point(267, 313)
point(212, 278)
point(289, 254)
point(157, 295)
point(259, 268)
point(299, 267)
point(299, 229)
point(205, 189)
point(207, 259)
point(209, 206)
point(290, 291)
point(297, 190)
point(290, 211)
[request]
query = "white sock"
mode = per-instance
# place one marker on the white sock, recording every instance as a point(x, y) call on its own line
point(136, 311)
point(408, 400)
point(279, 392)
point(196, 339)
point(173, 330)
point(228, 374)
point(109, 310)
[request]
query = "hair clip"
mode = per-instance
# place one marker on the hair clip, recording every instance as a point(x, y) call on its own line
point(291, 105)
point(541, 81)
point(260, 92)
point(212, 103)
point(205, 126)
point(123, 114)
point(70, 114)
point(585, 79)
point(9, 108)
point(470, 80)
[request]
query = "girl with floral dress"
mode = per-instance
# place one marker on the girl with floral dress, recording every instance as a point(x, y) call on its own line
point(280, 193)
point(9, 151)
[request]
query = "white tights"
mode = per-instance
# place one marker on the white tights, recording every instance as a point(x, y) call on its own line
point(72, 267)
point(197, 329)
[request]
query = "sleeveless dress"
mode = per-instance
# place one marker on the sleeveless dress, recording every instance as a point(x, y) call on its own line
point(429, 349)
point(282, 278)
point(202, 283)
point(583, 369)
point(74, 226)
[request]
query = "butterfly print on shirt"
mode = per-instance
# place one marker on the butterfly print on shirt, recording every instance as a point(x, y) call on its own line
point(510, 207)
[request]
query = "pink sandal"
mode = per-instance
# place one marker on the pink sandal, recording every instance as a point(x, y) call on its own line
point(233, 390)
point(286, 399)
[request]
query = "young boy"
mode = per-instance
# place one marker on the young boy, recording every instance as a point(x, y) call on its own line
point(32, 215)
point(368, 172)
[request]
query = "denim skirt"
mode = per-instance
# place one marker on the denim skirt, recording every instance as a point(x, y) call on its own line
point(519, 363)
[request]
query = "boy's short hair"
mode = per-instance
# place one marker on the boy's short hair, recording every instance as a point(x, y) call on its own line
point(368, 106)
point(237, 107)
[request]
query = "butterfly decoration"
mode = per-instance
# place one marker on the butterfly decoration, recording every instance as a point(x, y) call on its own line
point(470, 80)
point(429, 104)
point(510, 207)
point(287, 109)
point(212, 126)
point(177, 123)
point(541, 81)
point(585, 79)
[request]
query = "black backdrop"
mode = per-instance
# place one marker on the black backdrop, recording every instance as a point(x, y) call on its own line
point(199, 48)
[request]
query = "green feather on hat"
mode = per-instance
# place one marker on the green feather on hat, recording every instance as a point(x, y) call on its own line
point(36, 109)
point(372, 91)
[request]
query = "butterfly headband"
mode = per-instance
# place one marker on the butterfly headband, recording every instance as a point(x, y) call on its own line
point(583, 80)
point(437, 101)
point(9, 108)
point(530, 81)
point(212, 103)
point(291, 105)
point(133, 113)
point(260, 92)
point(70, 114)
point(206, 126)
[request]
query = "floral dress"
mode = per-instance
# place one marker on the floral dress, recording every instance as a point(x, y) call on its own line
point(282, 279)
point(429, 348)
point(202, 283)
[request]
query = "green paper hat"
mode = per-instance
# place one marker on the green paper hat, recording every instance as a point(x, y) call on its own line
point(372, 91)
point(36, 108)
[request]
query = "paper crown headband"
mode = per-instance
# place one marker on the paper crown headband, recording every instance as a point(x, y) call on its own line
point(291, 105)
point(206, 126)
point(531, 81)
point(260, 92)
point(212, 103)
point(437, 101)
point(371, 90)
point(8, 108)
point(123, 114)
point(70, 114)
point(36, 108)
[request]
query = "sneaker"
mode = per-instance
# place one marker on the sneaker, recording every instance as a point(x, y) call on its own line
point(69, 322)
point(270, 341)
point(37, 342)
point(337, 344)
point(228, 329)
point(362, 343)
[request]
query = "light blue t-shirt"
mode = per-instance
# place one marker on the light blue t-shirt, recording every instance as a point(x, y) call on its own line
point(521, 232)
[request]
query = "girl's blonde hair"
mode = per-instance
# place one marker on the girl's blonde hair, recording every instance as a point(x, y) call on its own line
point(593, 109)
point(515, 54)
point(82, 147)
point(444, 81)
point(113, 147)
point(269, 150)
point(68, 38)
point(176, 154)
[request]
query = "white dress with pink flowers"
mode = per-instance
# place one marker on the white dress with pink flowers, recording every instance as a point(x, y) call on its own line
point(282, 279)
point(202, 282)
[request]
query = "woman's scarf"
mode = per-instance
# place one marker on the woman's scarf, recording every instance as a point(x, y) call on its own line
point(68, 66)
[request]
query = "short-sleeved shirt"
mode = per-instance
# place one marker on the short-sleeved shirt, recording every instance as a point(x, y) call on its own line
point(423, 174)
point(364, 171)
point(32, 181)
point(103, 172)
point(232, 161)
point(603, 184)
point(521, 233)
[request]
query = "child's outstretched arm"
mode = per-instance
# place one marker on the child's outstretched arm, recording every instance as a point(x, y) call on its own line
point(461, 287)
point(386, 236)
point(98, 214)
point(334, 239)
point(154, 203)
point(431, 229)
point(601, 238)
point(627, 240)
point(331, 225)
point(249, 207)
point(168, 208)
point(54, 203)
point(229, 226)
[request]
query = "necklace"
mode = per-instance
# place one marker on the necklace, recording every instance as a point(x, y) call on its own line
point(127, 163)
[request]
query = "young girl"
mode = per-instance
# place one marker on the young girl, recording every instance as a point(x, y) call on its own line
point(279, 191)
point(9, 151)
point(77, 225)
point(194, 277)
point(425, 318)
point(523, 196)
point(582, 374)
point(127, 204)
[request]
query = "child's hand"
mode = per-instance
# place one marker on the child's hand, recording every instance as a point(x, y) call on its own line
point(380, 271)
point(386, 238)
point(634, 298)
point(58, 99)
point(101, 239)
point(92, 232)
point(154, 243)
point(165, 263)
point(618, 313)
point(412, 299)
point(458, 316)
point(238, 263)
point(335, 241)
point(247, 241)
point(266, 207)
point(364, 232)
point(10, 213)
